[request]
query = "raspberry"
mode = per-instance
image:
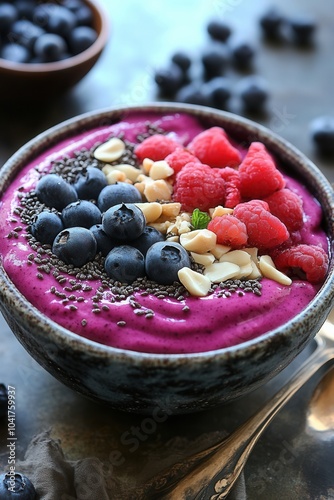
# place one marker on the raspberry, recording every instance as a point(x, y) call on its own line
point(199, 186)
point(230, 231)
point(179, 158)
point(156, 147)
point(232, 186)
point(310, 259)
point(212, 147)
point(264, 230)
point(288, 207)
point(258, 173)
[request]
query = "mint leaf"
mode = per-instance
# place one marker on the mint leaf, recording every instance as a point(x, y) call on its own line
point(199, 220)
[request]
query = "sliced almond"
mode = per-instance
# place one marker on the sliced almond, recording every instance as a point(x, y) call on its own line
point(197, 284)
point(161, 226)
point(152, 211)
point(110, 151)
point(171, 210)
point(205, 259)
point(238, 257)
point(269, 270)
point(256, 273)
point(219, 211)
point(160, 170)
point(221, 271)
point(146, 165)
point(245, 271)
point(199, 241)
point(115, 176)
point(219, 250)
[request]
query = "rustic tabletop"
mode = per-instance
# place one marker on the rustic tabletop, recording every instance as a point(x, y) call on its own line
point(287, 462)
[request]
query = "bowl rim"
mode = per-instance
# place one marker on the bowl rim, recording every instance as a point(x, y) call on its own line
point(75, 125)
point(70, 62)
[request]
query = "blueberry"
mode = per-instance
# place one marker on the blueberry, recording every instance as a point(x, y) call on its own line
point(218, 92)
point(84, 16)
point(8, 15)
point(125, 264)
point(16, 486)
point(124, 222)
point(50, 47)
point(81, 213)
point(54, 191)
point(169, 80)
point(61, 21)
point(25, 8)
point(271, 23)
point(72, 5)
point(322, 134)
point(75, 246)
point(194, 93)
point(114, 194)
point(215, 60)
point(15, 53)
point(104, 242)
point(243, 55)
point(182, 60)
point(253, 93)
point(46, 227)
point(164, 260)
point(302, 29)
point(218, 30)
point(149, 236)
point(81, 38)
point(3, 401)
point(26, 33)
point(89, 184)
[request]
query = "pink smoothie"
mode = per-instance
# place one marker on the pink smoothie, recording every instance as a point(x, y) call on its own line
point(207, 323)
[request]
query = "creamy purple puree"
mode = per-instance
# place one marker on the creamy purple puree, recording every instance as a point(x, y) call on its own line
point(211, 322)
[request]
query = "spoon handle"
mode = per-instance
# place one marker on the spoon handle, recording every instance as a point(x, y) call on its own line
point(222, 463)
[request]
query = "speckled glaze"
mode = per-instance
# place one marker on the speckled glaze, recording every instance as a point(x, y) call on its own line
point(140, 382)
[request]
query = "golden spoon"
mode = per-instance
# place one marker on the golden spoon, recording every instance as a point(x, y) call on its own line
point(222, 463)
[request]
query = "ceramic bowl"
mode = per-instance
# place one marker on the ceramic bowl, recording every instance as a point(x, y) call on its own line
point(23, 82)
point(140, 382)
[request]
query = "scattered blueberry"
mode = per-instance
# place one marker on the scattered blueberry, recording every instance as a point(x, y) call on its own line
point(322, 134)
point(243, 55)
point(15, 53)
point(75, 246)
point(8, 15)
point(218, 30)
point(182, 60)
point(123, 222)
point(253, 91)
point(169, 80)
point(50, 47)
point(194, 93)
point(81, 38)
point(125, 264)
point(46, 227)
point(114, 194)
point(218, 92)
point(214, 60)
point(16, 486)
point(271, 23)
point(81, 213)
point(302, 29)
point(104, 242)
point(89, 184)
point(3, 401)
point(149, 236)
point(54, 191)
point(164, 260)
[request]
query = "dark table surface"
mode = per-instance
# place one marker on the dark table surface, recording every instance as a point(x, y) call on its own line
point(143, 36)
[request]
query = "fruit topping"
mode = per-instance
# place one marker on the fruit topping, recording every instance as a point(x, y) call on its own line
point(288, 207)
point(89, 184)
point(149, 236)
point(125, 264)
point(264, 230)
point(75, 245)
point(16, 486)
point(230, 231)
point(213, 147)
point(259, 176)
point(322, 134)
point(310, 259)
point(218, 30)
point(164, 260)
point(114, 194)
point(81, 213)
point(156, 147)
point(253, 92)
point(46, 227)
point(199, 186)
point(232, 186)
point(103, 241)
point(54, 191)
point(179, 158)
point(124, 222)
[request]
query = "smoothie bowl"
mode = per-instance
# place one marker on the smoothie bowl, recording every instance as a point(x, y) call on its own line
point(165, 256)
